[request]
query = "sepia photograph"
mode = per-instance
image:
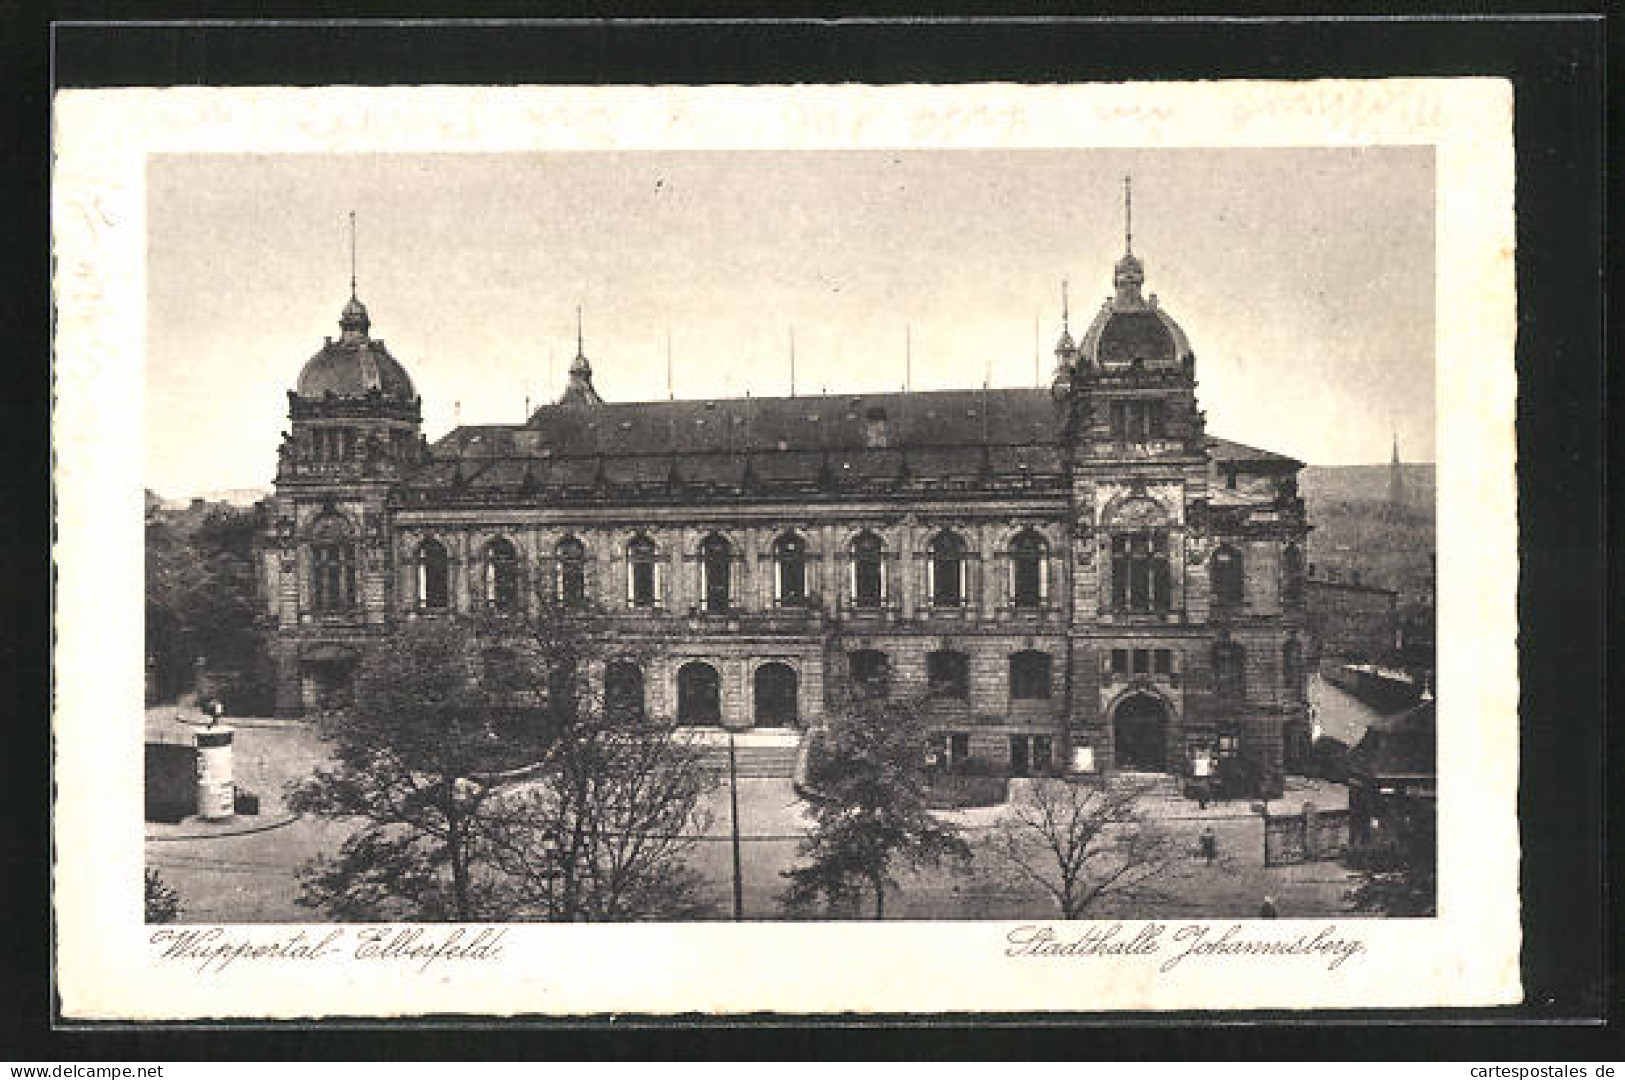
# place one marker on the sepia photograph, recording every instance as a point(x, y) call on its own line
point(977, 570)
point(944, 534)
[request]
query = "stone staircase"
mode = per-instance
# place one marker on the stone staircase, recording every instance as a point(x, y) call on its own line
point(758, 754)
point(1156, 784)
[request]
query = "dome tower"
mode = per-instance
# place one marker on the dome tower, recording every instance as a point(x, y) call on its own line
point(355, 420)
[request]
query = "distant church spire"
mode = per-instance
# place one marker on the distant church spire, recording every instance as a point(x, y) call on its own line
point(1396, 481)
point(352, 254)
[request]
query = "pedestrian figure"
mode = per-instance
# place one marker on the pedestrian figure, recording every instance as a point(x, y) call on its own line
point(1267, 909)
point(1210, 844)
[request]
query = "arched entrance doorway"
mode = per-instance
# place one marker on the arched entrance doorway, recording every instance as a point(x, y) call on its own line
point(775, 695)
point(699, 697)
point(1140, 728)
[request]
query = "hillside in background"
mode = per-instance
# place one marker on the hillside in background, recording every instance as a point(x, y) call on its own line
point(1356, 529)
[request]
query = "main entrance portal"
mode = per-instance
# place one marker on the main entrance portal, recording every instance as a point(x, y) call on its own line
point(1140, 729)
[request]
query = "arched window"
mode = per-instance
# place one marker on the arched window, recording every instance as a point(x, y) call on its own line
point(699, 697)
point(642, 573)
point(434, 576)
point(332, 559)
point(716, 572)
point(946, 567)
point(1292, 574)
point(870, 671)
point(1228, 574)
point(1030, 675)
point(790, 570)
point(1229, 671)
point(1292, 674)
point(868, 572)
point(623, 690)
point(571, 555)
point(1140, 581)
point(501, 575)
point(775, 686)
point(947, 674)
point(1029, 569)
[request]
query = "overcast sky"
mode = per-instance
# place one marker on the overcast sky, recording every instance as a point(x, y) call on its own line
point(1303, 278)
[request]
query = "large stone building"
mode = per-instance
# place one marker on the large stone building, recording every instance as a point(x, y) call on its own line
point(1077, 577)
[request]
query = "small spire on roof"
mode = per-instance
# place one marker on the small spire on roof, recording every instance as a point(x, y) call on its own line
point(580, 390)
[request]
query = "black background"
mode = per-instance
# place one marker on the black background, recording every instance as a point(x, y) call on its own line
point(1565, 593)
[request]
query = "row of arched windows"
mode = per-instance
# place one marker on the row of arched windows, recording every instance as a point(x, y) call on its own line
point(947, 556)
point(775, 686)
point(947, 674)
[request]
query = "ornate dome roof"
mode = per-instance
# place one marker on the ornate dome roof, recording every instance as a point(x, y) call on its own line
point(354, 365)
point(1130, 328)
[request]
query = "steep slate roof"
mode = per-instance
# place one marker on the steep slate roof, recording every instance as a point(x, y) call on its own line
point(1394, 746)
point(955, 437)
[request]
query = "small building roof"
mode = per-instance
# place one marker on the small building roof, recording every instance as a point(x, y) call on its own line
point(1404, 745)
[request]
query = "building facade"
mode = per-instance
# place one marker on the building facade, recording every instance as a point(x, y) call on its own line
point(1074, 577)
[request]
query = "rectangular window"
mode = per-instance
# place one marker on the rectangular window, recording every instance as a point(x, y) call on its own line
point(958, 747)
point(1142, 661)
point(1119, 661)
point(1163, 661)
point(1140, 578)
point(1043, 753)
point(1136, 421)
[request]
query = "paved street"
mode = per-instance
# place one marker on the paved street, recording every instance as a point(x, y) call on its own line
point(250, 876)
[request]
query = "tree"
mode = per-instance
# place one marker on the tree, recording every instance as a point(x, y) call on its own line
point(163, 904)
point(490, 782)
point(603, 832)
point(1083, 842)
point(201, 601)
point(1398, 875)
point(418, 756)
point(870, 814)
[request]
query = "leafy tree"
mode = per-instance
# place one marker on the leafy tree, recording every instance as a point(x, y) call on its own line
point(201, 600)
point(490, 783)
point(870, 815)
point(418, 756)
point(1083, 842)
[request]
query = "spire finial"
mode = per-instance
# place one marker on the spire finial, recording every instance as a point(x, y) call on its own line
point(1128, 216)
point(580, 350)
point(352, 254)
point(1065, 323)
